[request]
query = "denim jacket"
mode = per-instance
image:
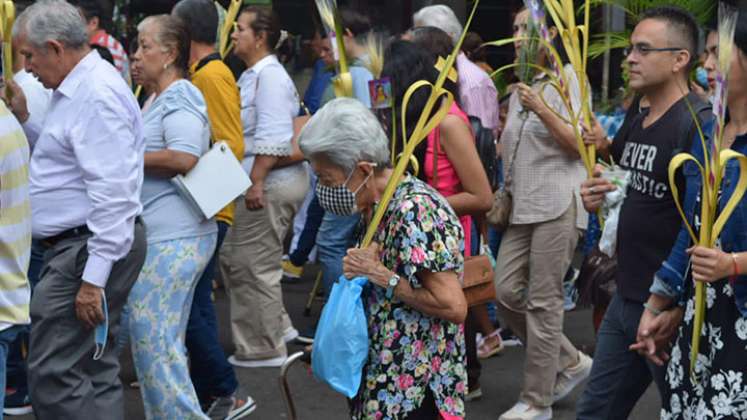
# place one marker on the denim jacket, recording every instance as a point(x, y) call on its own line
point(674, 279)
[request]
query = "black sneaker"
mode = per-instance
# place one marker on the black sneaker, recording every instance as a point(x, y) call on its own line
point(17, 403)
point(509, 339)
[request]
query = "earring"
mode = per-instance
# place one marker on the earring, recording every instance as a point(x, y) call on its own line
point(165, 66)
point(256, 46)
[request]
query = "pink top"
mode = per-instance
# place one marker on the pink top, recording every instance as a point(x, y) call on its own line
point(448, 179)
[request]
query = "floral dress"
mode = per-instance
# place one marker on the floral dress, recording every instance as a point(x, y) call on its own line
point(718, 386)
point(412, 354)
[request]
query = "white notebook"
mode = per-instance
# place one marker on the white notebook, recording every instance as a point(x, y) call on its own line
point(214, 182)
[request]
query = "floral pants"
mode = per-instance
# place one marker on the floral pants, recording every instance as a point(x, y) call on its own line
point(159, 307)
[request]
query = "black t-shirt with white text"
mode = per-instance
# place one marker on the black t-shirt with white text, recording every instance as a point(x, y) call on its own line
point(649, 221)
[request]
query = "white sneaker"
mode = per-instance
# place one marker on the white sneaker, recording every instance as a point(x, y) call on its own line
point(570, 378)
point(255, 363)
point(290, 334)
point(524, 411)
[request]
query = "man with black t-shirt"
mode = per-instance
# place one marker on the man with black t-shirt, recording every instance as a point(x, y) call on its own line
point(662, 48)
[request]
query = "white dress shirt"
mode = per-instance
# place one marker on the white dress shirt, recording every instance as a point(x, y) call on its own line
point(269, 102)
point(37, 103)
point(87, 166)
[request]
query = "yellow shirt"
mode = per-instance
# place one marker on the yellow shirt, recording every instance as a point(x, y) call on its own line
point(15, 222)
point(218, 86)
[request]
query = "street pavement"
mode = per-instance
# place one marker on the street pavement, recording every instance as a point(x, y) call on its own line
point(501, 375)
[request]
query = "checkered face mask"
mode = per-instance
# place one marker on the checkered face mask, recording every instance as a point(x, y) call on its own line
point(339, 200)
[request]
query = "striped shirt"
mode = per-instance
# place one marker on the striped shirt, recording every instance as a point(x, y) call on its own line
point(121, 62)
point(478, 96)
point(15, 222)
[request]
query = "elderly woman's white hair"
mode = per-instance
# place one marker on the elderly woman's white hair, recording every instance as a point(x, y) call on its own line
point(345, 132)
point(441, 17)
point(47, 20)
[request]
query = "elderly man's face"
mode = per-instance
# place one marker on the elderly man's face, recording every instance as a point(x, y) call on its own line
point(43, 62)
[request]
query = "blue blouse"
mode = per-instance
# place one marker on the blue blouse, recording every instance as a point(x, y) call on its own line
point(674, 279)
point(177, 120)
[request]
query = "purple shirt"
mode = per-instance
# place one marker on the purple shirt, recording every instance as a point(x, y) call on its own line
point(477, 94)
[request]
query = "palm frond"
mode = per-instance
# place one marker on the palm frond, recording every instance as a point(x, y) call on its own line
point(375, 50)
point(599, 45)
point(702, 10)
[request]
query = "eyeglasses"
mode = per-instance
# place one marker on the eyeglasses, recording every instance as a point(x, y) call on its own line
point(643, 50)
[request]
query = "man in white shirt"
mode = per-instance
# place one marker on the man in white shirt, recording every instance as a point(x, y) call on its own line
point(37, 96)
point(86, 173)
point(37, 100)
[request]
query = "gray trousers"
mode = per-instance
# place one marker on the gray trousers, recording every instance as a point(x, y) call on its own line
point(64, 380)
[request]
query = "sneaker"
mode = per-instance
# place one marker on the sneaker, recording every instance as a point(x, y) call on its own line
point(571, 377)
point(17, 403)
point(490, 346)
point(307, 336)
point(473, 394)
point(291, 270)
point(524, 411)
point(230, 408)
point(290, 334)
point(509, 339)
point(254, 363)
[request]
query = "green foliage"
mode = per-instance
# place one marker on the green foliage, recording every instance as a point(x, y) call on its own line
point(528, 53)
point(702, 10)
point(598, 46)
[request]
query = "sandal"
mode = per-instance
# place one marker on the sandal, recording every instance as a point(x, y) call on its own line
point(490, 346)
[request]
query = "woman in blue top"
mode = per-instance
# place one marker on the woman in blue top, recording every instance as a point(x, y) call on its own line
point(180, 242)
point(718, 386)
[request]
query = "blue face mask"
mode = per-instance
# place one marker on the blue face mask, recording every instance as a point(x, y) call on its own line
point(701, 76)
point(102, 330)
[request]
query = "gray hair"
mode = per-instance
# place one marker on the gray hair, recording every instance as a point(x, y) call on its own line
point(345, 132)
point(441, 17)
point(47, 20)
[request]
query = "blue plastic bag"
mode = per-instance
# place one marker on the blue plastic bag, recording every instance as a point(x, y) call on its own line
point(340, 345)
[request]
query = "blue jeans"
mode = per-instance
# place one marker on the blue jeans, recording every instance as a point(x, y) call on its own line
point(212, 375)
point(15, 364)
point(7, 338)
point(333, 241)
point(618, 376)
point(307, 240)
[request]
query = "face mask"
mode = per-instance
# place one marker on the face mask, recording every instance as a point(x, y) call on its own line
point(339, 200)
point(701, 76)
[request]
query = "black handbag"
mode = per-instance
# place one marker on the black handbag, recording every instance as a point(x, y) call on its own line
point(596, 279)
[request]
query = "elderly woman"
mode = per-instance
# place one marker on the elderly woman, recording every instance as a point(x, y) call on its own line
point(177, 133)
point(253, 250)
point(415, 306)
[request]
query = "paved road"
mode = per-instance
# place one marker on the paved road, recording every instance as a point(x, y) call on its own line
point(501, 377)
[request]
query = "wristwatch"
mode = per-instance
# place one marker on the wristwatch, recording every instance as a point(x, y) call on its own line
point(393, 282)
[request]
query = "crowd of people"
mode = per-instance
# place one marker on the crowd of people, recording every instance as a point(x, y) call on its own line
point(100, 250)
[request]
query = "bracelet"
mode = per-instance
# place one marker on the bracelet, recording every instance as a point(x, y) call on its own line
point(651, 309)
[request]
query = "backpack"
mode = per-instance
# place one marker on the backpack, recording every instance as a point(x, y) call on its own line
point(485, 144)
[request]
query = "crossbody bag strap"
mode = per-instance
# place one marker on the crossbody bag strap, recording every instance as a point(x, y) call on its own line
point(510, 170)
